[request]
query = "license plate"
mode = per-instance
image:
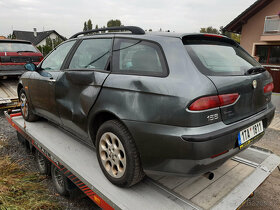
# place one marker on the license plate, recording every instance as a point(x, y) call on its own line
point(247, 135)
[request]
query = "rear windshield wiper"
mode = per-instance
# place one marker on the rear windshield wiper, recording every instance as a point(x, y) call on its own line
point(24, 51)
point(255, 70)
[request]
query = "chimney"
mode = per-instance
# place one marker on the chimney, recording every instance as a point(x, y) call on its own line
point(35, 32)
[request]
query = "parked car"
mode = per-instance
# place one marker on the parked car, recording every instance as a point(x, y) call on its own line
point(162, 103)
point(14, 54)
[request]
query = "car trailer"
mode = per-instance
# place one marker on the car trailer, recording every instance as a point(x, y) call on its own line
point(232, 184)
point(8, 94)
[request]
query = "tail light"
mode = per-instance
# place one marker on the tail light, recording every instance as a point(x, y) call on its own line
point(228, 99)
point(210, 102)
point(268, 88)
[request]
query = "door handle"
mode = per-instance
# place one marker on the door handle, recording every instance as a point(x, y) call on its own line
point(51, 80)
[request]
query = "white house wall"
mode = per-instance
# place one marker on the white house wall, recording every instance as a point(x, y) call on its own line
point(43, 42)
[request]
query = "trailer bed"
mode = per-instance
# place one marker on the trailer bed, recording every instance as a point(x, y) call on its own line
point(8, 93)
point(234, 181)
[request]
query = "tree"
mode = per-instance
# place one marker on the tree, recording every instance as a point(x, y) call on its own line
point(89, 25)
point(96, 27)
point(236, 37)
point(114, 23)
point(210, 30)
point(50, 45)
point(11, 36)
point(85, 26)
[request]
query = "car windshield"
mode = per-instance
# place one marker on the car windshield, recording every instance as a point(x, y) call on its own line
point(16, 47)
point(218, 57)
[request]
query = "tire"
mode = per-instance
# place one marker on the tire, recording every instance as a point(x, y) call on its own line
point(21, 139)
point(60, 181)
point(26, 111)
point(117, 154)
point(24, 142)
point(44, 165)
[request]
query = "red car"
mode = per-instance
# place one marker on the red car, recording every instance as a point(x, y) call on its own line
point(14, 54)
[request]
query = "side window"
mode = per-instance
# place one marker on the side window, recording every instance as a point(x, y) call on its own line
point(55, 60)
point(92, 54)
point(138, 57)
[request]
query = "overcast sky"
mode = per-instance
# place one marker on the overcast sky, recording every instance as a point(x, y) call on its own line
point(67, 17)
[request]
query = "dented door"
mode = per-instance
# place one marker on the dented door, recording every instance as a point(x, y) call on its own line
point(78, 86)
point(76, 92)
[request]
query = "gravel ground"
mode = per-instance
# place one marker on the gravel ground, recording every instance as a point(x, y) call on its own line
point(18, 153)
point(266, 196)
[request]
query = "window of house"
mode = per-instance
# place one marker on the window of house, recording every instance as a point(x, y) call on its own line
point(268, 54)
point(274, 56)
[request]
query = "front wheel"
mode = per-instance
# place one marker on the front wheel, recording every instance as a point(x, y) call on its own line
point(117, 154)
point(26, 111)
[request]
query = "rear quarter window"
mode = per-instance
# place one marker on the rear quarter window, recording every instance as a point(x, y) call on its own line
point(132, 56)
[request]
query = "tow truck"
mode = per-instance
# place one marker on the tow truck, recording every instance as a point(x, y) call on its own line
point(76, 163)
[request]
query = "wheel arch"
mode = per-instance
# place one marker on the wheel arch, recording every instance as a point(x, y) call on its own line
point(19, 87)
point(95, 120)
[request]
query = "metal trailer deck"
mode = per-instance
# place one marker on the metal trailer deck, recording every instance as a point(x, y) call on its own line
point(8, 94)
point(233, 183)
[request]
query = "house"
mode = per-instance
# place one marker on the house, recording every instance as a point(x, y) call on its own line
point(259, 26)
point(37, 38)
point(2, 37)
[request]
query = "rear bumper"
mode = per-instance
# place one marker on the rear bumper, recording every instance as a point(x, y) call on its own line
point(187, 151)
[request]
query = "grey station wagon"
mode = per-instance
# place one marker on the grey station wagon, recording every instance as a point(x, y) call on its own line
point(168, 103)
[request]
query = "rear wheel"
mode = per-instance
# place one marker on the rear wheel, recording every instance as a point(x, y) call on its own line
point(26, 111)
point(117, 154)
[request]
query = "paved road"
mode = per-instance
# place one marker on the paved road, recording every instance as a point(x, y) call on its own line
point(276, 101)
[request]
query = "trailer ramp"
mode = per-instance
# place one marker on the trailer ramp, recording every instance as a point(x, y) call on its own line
point(8, 93)
point(233, 183)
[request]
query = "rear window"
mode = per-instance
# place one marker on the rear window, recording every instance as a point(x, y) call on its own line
point(218, 56)
point(16, 47)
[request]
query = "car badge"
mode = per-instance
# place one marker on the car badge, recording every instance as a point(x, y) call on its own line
point(254, 84)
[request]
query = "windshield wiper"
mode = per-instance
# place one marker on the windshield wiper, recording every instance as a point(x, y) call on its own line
point(24, 51)
point(255, 70)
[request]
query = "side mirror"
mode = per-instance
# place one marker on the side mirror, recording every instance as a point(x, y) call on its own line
point(30, 67)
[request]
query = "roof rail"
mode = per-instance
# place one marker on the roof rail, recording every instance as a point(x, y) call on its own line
point(133, 29)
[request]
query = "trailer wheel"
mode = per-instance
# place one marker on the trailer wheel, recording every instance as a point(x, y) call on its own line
point(24, 142)
point(43, 163)
point(60, 181)
point(26, 111)
point(117, 154)
point(21, 139)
